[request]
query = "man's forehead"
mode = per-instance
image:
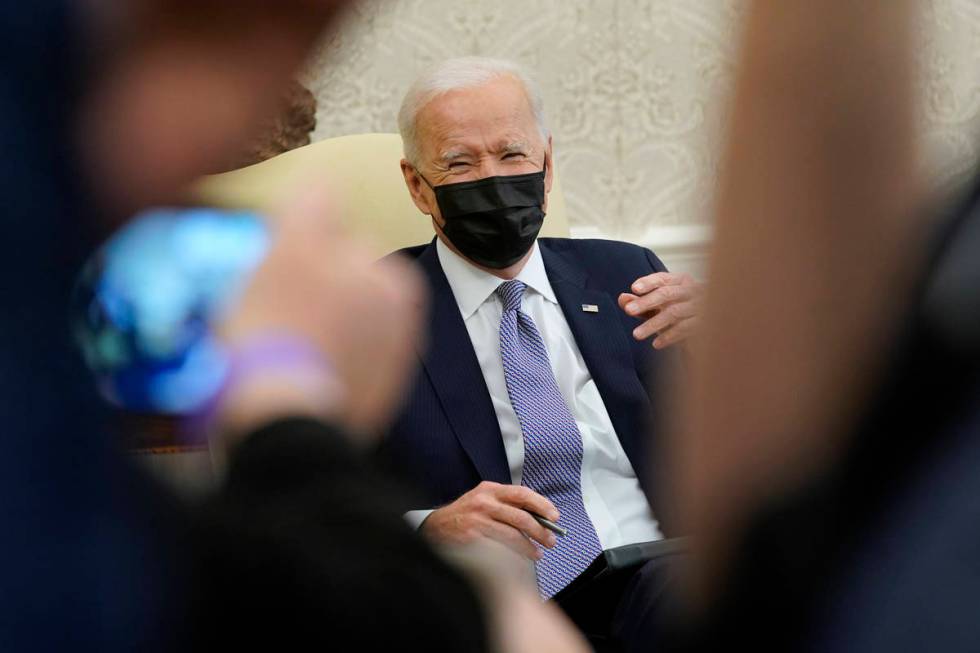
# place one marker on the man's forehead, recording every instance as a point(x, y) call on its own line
point(497, 112)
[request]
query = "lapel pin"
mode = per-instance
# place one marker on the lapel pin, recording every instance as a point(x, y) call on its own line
point(590, 308)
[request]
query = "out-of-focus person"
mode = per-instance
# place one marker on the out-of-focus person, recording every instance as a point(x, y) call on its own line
point(147, 428)
point(110, 107)
point(826, 462)
point(289, 128)
point(533, 391)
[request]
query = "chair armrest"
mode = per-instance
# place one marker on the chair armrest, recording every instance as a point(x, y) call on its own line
point(633, 555)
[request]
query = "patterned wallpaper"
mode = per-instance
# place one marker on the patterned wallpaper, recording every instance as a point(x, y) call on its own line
point(633, 91)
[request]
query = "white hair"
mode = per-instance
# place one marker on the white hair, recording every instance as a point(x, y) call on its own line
point(453, 74)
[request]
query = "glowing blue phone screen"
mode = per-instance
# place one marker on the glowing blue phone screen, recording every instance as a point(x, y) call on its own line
point(146, 303)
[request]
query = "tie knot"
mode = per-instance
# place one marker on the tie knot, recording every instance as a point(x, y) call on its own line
point(510, 293)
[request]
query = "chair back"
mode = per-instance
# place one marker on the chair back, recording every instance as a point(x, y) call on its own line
point(364, 169)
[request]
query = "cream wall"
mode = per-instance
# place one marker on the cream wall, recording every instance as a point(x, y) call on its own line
point(632, 91)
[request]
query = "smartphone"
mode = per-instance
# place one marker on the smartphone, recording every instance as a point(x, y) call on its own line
point(146, 303)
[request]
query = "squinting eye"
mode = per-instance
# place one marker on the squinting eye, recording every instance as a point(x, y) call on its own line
point(513, 154)
point(457, 164)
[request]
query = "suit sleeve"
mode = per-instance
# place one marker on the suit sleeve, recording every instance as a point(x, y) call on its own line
point(305, 541)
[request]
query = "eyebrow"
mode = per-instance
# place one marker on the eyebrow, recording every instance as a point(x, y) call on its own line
point(459, 153)
point(452, 155)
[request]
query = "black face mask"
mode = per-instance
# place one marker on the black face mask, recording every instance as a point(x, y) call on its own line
point(492, 221)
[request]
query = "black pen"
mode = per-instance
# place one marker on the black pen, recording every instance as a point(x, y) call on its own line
point(550, 525)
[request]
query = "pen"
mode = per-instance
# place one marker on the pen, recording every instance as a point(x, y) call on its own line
point(550, 525)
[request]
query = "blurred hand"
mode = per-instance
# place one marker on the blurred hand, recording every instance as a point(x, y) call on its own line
point(498, 512)
point(320, 285)
point(519, 621)
point(669, 304)
point(527, 625)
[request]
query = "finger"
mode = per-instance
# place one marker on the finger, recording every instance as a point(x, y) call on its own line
point(665, 319)
point(524, 522)
point(313, 210)
point(526, 498)
point(512, 539)
point(624, 299)
point(402, 285)
point(650, 282)
point(658, 298)
point(676, 334)
point(646, 330)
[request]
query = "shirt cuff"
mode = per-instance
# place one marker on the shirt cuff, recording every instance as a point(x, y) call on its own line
point(416, 517)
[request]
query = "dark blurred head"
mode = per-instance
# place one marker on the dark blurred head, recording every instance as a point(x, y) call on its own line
point(182, 84)
point(290, 127)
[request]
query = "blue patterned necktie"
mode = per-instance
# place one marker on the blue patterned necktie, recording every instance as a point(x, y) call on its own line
point(552, 442)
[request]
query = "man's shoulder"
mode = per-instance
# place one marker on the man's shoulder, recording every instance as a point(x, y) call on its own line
point(590, 253)
point(591, 246)
point(411, 253)
point(599, 253)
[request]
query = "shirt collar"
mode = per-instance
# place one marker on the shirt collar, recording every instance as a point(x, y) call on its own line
point(472, 286)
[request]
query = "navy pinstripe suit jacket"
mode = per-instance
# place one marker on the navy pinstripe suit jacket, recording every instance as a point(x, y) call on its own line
point(447, 439)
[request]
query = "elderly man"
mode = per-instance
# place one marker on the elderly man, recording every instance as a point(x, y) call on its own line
point(532, 397)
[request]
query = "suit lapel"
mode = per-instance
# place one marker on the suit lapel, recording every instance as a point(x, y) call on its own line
point(451, 364)
point(601, 338)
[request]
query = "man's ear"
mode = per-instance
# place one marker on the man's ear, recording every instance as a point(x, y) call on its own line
point(549, 174)
point(415, 184)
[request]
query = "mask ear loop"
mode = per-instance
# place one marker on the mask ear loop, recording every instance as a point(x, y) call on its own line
point(544, 170)
point(422, 177)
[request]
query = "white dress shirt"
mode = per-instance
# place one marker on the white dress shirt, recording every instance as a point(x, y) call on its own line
point(610, 490)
